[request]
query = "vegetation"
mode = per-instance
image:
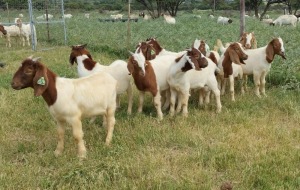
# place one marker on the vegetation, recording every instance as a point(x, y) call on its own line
point(253, 143)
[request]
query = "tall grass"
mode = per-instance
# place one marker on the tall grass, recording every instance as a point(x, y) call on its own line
point(253, 143)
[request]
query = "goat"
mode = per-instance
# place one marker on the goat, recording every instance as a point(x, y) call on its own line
point(150, 76)
point(159, 50)
point(68, 16)
point(11, 31)
point(87, 15)
point(248, 40)
point(169, 19)
point(117, 16)
point(145, 16)
point(69, 100)
point(259, 62)
point(214, 56)
point(285, 20)
point(267, 21)
point(44, 17)
point(25, 30)
point(224, 20)
point(179, 80)
point(118, 69)
point(230, 66)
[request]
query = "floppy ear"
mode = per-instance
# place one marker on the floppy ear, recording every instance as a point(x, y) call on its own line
point(130, 66)
point(270, 53)
point(150, 54)
point(40, 80)
point(233, 56)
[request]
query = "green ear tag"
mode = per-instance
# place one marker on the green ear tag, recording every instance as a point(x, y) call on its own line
point(152, 52)
point(41, 81)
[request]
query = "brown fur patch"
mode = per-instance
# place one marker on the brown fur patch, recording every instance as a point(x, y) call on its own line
point(4, 32)
point(30, 73)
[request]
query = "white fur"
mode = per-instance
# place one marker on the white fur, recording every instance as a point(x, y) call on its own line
point(286, 20)
point(223, 20)
point(117, 69)
point(182, 82)
point(257, 65)
point(26, 33)
point(169, 19)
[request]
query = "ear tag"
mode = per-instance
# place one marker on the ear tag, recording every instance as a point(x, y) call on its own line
point(41, 81)
point(152, 52)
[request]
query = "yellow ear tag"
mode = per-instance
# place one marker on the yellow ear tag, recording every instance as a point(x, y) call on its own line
point(41, 81)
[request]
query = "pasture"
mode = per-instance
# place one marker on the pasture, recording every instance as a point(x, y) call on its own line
point(253, 143)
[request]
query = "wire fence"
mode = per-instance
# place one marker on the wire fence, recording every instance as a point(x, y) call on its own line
point(46, 18)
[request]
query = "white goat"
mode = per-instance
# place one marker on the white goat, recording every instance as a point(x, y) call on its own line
point(69, 100)
point(259, 62)
point(286, 20)
point(183, 76)
point(44, 17)
point(68, 15)
point(224, 20)
point(11, 31)
point(169, 19)
point(26, 33)
point(118, 69)
point(87, 15)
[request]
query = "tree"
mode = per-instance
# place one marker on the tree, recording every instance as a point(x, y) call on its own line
point(253, 4)
point(156, 7)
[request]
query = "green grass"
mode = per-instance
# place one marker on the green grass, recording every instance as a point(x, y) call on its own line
point(253, 143)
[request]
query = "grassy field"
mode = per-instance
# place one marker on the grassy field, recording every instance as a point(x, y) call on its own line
point(253, 143)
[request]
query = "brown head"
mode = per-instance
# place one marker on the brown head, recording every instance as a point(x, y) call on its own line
point(33, 74)
point(147, 50)
point(78, 50)
point(195, 60)
point(248, 40)
point(274, 47)
point(233, 54)
point(4, 32)
point(156, 46)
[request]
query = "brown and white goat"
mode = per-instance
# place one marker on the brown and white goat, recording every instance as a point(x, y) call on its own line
point(248, 40)
point(230, 66)
point(69, 100)
point(118, 69)
point(259, 62)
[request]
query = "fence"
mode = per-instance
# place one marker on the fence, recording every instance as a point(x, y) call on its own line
point(46, 16)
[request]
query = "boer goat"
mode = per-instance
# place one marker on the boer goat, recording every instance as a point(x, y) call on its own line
point(259, 62)
point(248, 40)
point(169, 19)
point(181, 78)
point(118, 69)
point(69, 100)
point(150, 76)
point(11, 31)
point(230, 66)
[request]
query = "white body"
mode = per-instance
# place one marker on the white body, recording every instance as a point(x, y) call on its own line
point(286, 20)
point(117, 69)
point(13, 31)
point(222, 20)
point(182, 82)
point(83, 97)
point(169, 19)
point(68, 16)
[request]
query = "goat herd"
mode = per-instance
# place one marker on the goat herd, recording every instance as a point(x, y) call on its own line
point(170, 77)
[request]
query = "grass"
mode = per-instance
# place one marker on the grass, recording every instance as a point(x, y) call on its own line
point(253, 143)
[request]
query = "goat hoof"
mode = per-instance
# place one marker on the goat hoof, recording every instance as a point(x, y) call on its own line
point(57, 153)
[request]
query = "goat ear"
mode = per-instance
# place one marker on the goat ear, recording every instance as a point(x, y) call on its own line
point(36, 59)
point(130, 66)
point(131, 53)
point(233, 56)
point(40, 80)
point(270, 53)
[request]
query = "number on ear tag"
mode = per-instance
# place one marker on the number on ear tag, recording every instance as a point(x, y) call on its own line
point(41, 81)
